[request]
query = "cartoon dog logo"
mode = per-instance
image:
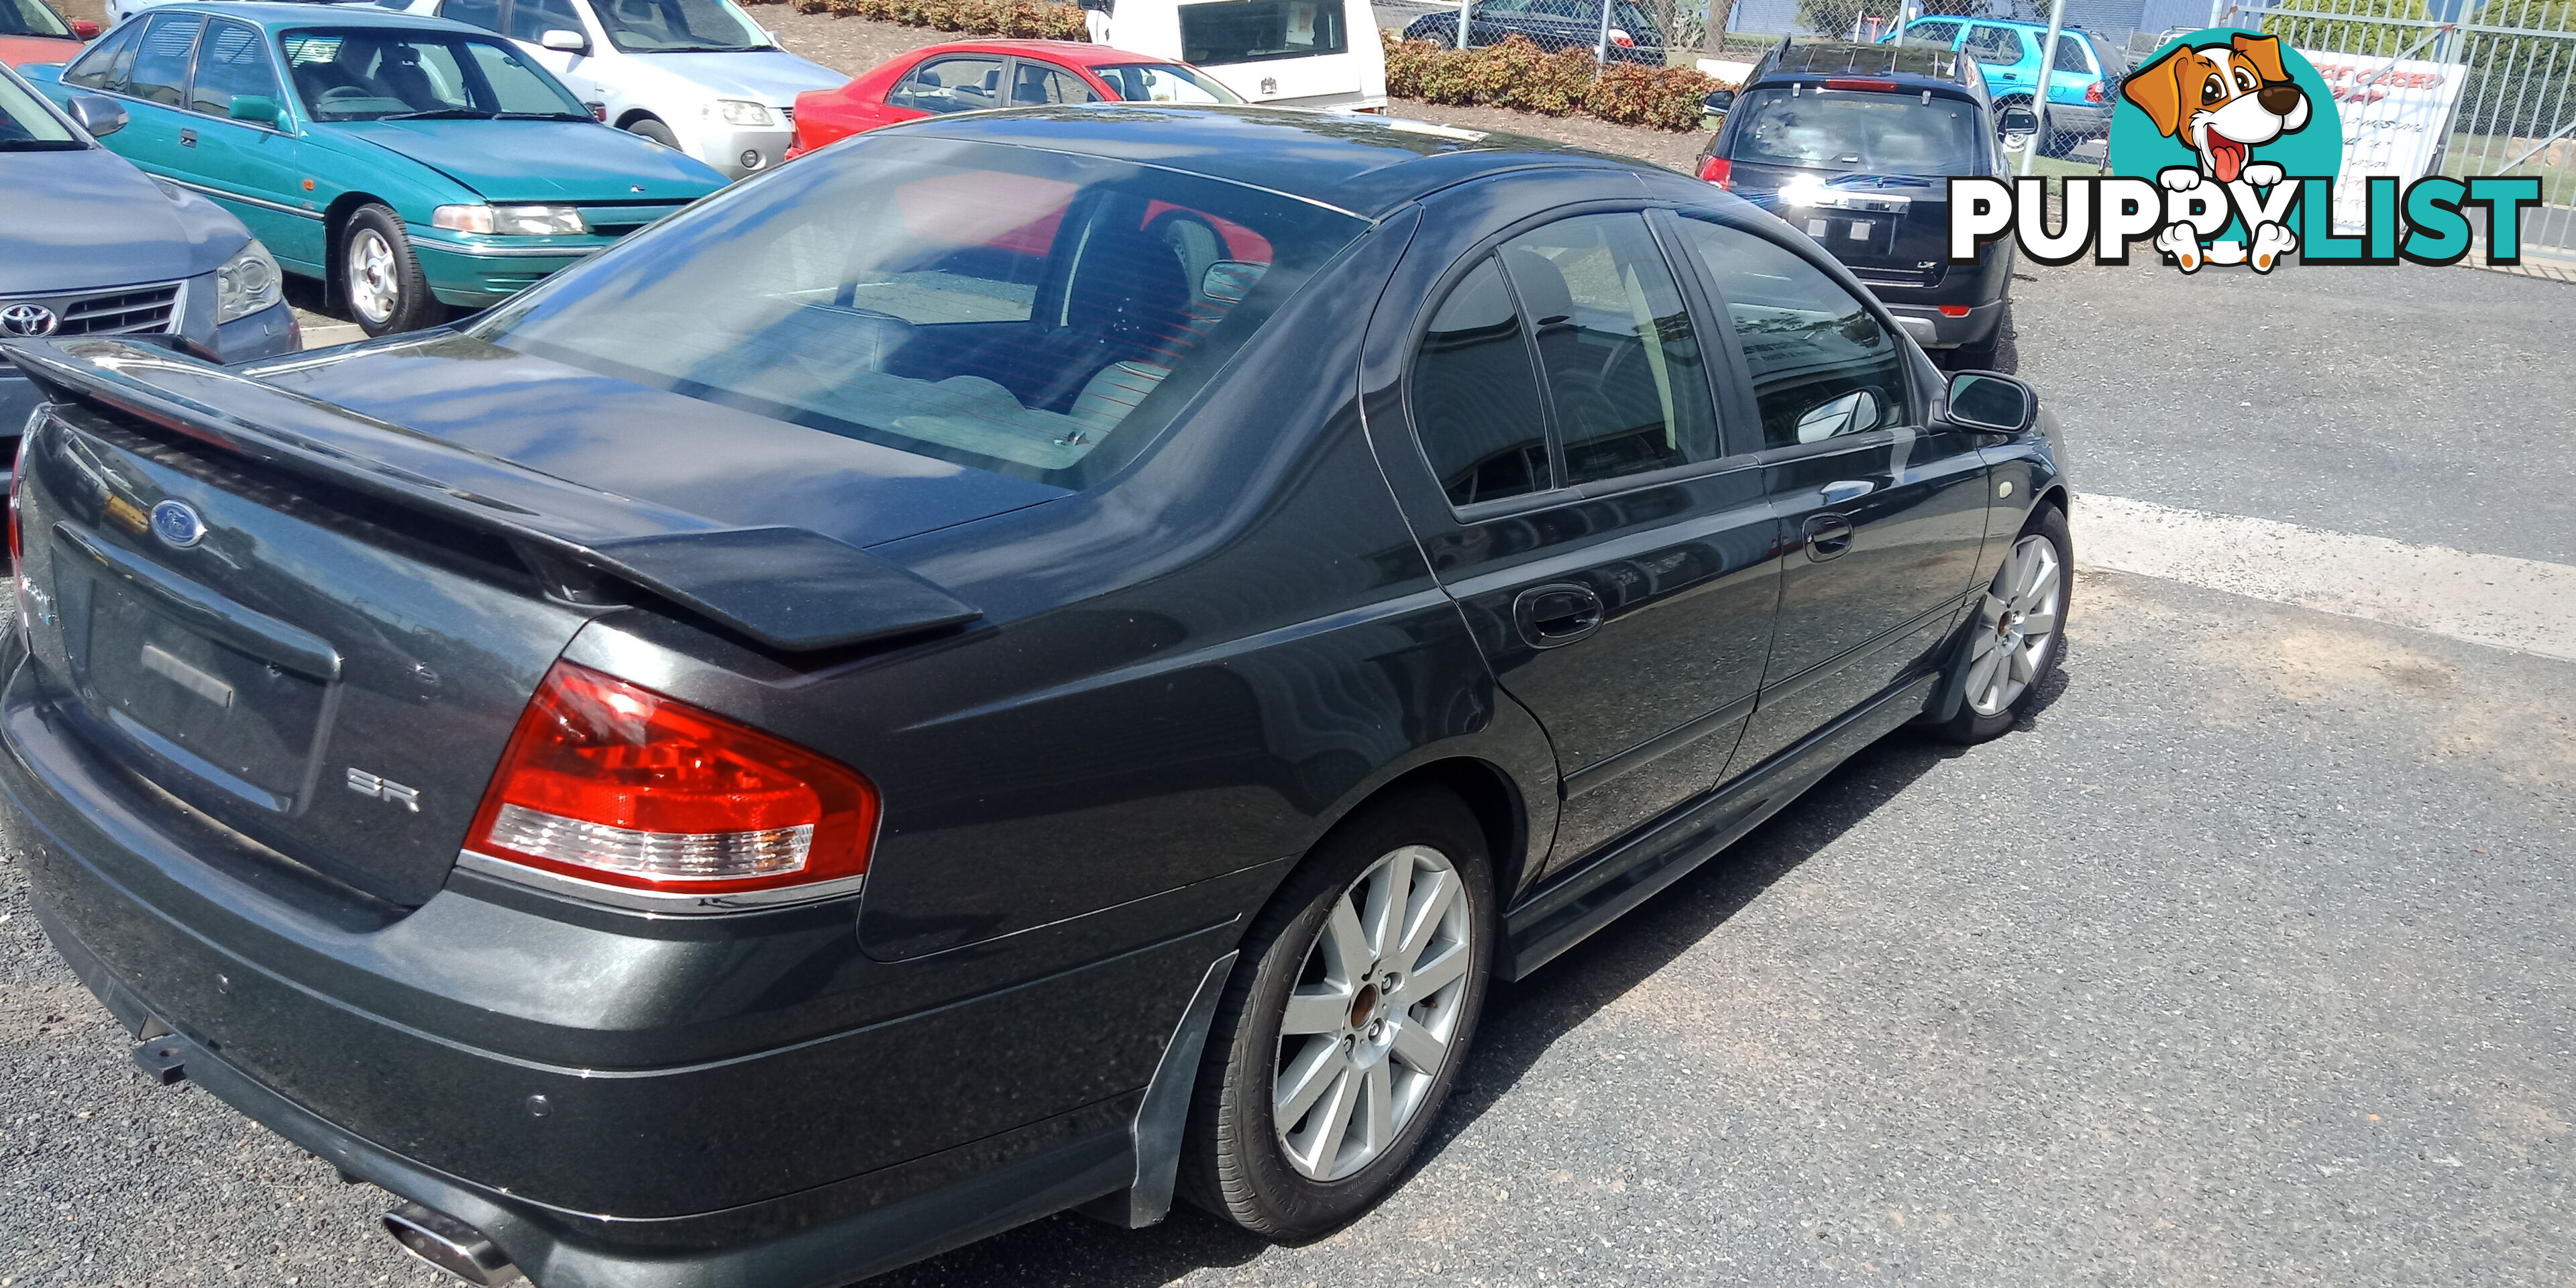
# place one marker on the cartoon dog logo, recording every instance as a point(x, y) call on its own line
point(2222, 101)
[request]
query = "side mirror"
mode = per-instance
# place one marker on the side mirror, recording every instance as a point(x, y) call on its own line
point(1718, 101)
point(565, 42)
point(84, 28)
point(2016, 120)
point(1985, 400)
point(258, 109)
point(96, 113)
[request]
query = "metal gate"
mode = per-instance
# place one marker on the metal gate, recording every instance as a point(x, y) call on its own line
point(2516, 112)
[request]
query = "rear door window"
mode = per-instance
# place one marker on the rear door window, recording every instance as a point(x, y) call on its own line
point(1036, 84)
point(232, 62)
point(1994, 45)
point(475, 13)
point(1622, 363)
point(2072, 57)
point(161, 66)
point(965, 83)
point(1251, 31)
point(1942, 33)
point(1475, 395)
point(1822, 365)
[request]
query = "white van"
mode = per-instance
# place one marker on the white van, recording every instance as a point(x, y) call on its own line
point(1284, 53)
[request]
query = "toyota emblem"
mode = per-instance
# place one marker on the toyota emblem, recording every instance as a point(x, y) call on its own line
point(28, 320)
point(176, 523)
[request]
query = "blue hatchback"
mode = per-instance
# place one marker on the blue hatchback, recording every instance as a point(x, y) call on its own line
point(2083, 80)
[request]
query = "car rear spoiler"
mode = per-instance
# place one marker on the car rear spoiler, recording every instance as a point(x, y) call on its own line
point(790, 588)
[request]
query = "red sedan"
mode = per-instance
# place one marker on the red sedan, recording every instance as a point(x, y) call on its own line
point(971, 75)
point(32, 33)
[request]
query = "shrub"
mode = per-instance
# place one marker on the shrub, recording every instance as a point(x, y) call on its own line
point(1031, 19)
point(1519, 74)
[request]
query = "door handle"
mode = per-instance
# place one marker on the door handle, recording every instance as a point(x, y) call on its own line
point(187, 138)
point(1842, 490)
point(1828, 536)
point(1555, 615)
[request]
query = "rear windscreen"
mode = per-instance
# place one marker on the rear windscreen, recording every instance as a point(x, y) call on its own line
point(1036, 314)
point(1251, 31)
point(1868, 133)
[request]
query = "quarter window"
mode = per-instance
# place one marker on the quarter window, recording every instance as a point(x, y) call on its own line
point(232, 63)
point(1475, 395)
point(107, 63)
point(962, 84)
point(1623, 366)
point(1996, 45)
point(1822, 365)
point(161, 66)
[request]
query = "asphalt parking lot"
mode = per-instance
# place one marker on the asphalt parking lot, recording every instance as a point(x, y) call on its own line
point(2251, 960)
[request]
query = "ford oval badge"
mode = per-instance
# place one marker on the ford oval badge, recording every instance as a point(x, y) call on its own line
point(176, 523)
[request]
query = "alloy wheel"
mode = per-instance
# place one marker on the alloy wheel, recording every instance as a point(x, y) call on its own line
point(375, 283)
point(1373, 1014)
point(2016, 625)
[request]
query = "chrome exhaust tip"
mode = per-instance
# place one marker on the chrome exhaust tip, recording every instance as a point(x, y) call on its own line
point(451, 1245)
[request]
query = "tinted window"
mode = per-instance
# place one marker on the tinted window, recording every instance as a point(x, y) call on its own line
point(30, 18)
point(106, 63)
point(1247, 31)
point(1163, 83)
point(2071, 56)
point(1036, 84)
point(1847, 130)
point(232, 62)
point(1936, 32)
point(530, 20)
point(370, 73)
point(963, 84)
point(1475, 396)
point(1622, 363)
point(1030, 313)
point(161, 65)
point(1994, 44)
point(475, 13)
point(1809, 344)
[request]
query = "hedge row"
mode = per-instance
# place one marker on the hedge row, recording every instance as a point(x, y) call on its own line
point(1032, 19)
point(1519, 74)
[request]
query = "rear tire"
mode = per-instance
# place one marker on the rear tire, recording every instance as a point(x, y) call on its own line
point(1334, 1015)
point(2017, 630)
point(380, 279)
point(1980, 356)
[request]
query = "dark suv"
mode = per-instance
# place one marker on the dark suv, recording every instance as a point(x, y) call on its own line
point(1854, 145)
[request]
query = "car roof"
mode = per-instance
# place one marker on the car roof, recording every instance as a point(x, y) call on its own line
point(1846, 58)
point(1366, 165)
point(270, 14)
point(1073, 53)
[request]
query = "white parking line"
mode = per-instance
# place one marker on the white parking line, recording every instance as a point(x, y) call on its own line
point(2522, 604)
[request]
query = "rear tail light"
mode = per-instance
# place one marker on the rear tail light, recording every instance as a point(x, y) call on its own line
point(2097, 93)
point(1717, 170)
point(1622, 39)
point(617, 784)
point(1846, 82)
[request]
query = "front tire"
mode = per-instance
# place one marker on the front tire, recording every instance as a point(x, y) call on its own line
point(1340, 1037)
point(380, 278)
point(2017, 631)
point(647, 127)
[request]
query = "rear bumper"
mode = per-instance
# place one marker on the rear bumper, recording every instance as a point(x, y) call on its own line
point(491, 1054)
point(1935, 330)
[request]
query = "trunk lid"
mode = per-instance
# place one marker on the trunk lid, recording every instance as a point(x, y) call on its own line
point(319, 629)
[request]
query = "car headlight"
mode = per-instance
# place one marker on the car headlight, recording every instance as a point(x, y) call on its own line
point(741, 111)
point(246, 284)
point(509, 221)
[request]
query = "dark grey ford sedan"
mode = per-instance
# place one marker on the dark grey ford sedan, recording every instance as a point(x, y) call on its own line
point(1027, 661)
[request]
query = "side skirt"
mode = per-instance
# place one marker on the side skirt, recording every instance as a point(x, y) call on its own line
point(1566, 910)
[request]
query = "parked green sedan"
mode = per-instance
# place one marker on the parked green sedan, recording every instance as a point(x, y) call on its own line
point(410, 163)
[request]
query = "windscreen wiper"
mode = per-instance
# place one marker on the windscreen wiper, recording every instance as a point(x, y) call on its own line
point(440, 114)
point(543, 116)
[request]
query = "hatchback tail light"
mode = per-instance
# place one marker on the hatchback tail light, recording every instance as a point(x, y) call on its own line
point(1717, 170)
point(2097, 92)
point(1622, 39)
point(617, 784)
